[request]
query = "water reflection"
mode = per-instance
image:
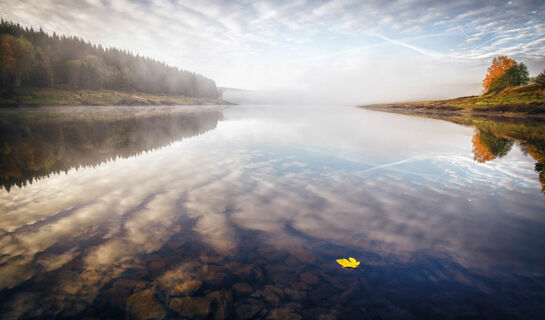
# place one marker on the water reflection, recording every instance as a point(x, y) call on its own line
point(487, 146)
point(35, 144)
point(246, 221)
point(495, 139)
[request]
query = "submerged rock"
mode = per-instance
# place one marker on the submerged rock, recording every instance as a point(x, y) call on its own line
point(222, 300)
point(191, 307)
point(292, 261)
point(246, 271)
point(271, 253)
point(272, 298)
point(143, 305)
point(270, 294)
point(328, 316)
point(157, 264)
point(283, 314)
point(181, 273)
point(211, 257)
point(295, 295)
point(300, 286)
point(248, 311)
point(304, 256)
point(243, 288)
point(186, 288)
point(309, 278)
point(213, 275)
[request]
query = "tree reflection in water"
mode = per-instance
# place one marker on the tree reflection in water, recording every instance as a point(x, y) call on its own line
point(36, 147)
point(490, 144)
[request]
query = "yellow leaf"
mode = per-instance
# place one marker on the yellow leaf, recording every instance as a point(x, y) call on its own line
point(350, 263)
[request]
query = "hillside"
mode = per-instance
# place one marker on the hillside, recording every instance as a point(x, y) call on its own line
point(34, 59)
point(523, 100)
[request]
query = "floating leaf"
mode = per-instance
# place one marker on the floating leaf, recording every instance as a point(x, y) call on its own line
point(350, 263)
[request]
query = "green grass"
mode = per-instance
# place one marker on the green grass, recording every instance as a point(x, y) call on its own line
point(528, 99)
point(525, 95)
point(43, 96)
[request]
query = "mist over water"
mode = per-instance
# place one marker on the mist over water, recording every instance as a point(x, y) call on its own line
point(252, 205)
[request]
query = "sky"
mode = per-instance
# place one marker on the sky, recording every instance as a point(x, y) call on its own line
point(344, 51)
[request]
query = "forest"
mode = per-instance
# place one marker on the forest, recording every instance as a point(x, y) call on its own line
point(34, 58)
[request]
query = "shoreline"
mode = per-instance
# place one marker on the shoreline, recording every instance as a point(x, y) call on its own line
point(524, 101)
point(46, 97)
point(503, 111)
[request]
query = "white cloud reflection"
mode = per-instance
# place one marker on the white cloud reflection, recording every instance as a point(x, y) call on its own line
point(484, 217)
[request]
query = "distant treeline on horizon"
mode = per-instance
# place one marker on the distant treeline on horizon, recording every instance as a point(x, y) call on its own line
point(30, 58)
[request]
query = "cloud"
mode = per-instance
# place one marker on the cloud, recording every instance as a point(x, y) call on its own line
point(251, 45)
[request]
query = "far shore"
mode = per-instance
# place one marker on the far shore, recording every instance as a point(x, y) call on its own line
point(418, 109)
point(524, 101)
point(38, 97)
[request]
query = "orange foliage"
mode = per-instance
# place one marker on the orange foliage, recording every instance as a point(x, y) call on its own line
point(481, 153)
point(499, 65)
point(7, 60)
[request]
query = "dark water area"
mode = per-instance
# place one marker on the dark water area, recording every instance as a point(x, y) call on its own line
point(241, 213)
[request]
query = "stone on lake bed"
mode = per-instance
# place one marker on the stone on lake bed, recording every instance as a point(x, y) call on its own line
point(292, 261)
point(248, 311)
point(272, 298)
point(283, 314)
point(272, 253)
point(243, 287)
point(191, 307)
point(118, 294)
point(186, 288)
point(247, 271)
point(212, 258)
point(300, 286)
point(304, 256)
point(181, 273)
point(270, 294)
point(309, 278)
point(143, 305)
point(296, 295)
point(223, 301)
point(274, 289)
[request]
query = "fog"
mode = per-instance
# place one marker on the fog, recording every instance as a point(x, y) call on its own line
point(381, 73)
point(338, 80)
point(344, 52)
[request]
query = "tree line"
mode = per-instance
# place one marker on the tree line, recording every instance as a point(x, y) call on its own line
point(33, 58)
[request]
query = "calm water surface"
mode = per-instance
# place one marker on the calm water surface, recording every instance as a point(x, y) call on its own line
point(199, 212)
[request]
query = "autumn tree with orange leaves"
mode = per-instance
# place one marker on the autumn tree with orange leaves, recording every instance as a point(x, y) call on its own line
point(16, 57)
point(504, 73)
point(499, 65)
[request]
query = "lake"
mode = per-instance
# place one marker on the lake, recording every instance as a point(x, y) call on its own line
point(241, 213)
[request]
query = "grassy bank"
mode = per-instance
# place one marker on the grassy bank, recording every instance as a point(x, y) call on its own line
point(524, 100)
point(44, 97)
